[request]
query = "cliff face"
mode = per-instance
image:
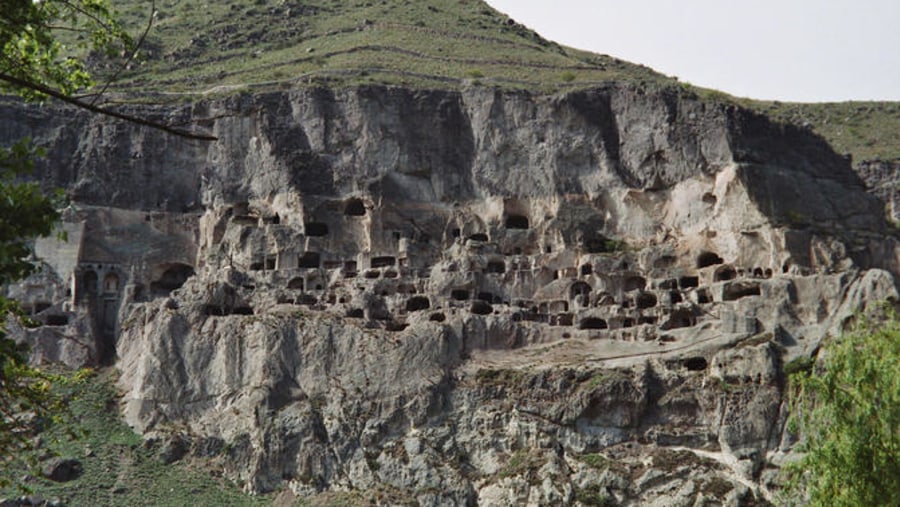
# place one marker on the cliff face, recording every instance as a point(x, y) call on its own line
point(460, 297)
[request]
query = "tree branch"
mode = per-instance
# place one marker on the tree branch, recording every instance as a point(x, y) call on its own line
point(15, 81)
point(131, 56)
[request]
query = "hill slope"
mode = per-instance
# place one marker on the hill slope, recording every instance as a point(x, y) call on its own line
point(237, 44)
point(421, 43)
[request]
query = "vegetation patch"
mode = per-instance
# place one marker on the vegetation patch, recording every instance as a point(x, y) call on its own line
point(595, 460)
point(802, 364)
point(501, 377)
point(849, 415)
point(118, 469)
point(525, 463)
point(594, 495)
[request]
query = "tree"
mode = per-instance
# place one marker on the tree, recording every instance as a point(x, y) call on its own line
point(35, 65)
point(848, 411)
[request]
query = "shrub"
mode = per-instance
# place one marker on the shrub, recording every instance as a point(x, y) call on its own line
point(849, 415)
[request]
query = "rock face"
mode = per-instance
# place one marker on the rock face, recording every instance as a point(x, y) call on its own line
point(882, 177)
point(461, 297)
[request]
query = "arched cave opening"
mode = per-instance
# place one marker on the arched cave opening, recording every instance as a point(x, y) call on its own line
point(579, 289)
point(708, 259)
point(111, 283)
point(695, 363)
point(172, 278)
point(417, 303)
point(646, 300)
point(355, 208)
point(517, 222)
point(481, 307)
point(725, 273)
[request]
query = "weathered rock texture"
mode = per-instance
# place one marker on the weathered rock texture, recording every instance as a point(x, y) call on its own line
point(460, 297)
point(882, 177)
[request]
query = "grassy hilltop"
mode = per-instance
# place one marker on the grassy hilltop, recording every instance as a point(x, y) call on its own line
point(223, 46)
point(428, 43)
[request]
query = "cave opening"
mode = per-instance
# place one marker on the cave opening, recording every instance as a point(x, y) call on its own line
point(459, 294)
point(708, 259)
point(593, 323)
point(517, 222)
point(481, 307)
point(417, 303)
point(687, 282)
point(315, 229)
point(646, 300)
point(355, 208)
point(695, 363)
point(382, 262)
point(725, 273)
point(309, 260)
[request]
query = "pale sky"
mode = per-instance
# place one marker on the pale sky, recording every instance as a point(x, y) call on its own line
point(791, 50)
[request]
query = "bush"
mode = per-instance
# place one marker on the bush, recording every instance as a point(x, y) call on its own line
point(849, 414)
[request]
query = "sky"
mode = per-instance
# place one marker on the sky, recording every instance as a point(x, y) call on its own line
point(790, 50)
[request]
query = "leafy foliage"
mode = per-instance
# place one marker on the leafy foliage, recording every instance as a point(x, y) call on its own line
point(849, 413)
point(25, 212)
point(31, 49)
point(31, 60)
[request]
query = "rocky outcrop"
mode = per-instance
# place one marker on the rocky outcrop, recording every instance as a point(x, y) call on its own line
point(461, 297)
point(882, 178)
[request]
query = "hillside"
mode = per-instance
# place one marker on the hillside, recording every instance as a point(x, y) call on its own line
point(241, 44)
point(866, 130)
point(429, 43)
point(430, 258)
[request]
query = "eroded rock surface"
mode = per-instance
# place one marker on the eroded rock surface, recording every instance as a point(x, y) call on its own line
point(461, 297)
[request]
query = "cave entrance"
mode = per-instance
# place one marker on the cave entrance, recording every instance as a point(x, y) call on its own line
point(708, 259)
point(309, 260)
point(355, 208)
point(516, 222)
point(172, 278)
point(593, 323)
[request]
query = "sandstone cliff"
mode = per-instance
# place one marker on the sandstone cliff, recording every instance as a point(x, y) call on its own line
point(459, 297)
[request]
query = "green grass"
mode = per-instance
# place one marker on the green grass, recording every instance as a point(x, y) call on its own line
point(221, 47)
point(865, 130)
point(524, 462)
point(423, 43)
point(595, 460)
point(118, 468)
